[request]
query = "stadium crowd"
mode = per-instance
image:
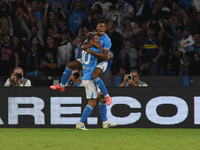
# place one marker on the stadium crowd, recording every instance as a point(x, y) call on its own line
point(155, 37)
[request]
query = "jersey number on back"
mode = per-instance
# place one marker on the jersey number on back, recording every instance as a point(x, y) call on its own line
point(84, 58)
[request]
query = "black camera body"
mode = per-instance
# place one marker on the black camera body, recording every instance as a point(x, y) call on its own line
point(129, 77)
point(76, 75)
point(18, 75)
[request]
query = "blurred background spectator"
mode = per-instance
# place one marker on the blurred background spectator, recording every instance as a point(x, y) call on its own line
point(105, 4)
point(128, 56)
point(117, 43)
point(76, 17)
point(65, 50)
point(8, 57)
point(48, 64)
point(126, 11)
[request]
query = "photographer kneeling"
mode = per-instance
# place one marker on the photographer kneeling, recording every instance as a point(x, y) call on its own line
point(132, 79)
point(17, 79)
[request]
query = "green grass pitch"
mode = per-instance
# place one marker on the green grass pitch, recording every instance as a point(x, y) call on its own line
point(99, 139)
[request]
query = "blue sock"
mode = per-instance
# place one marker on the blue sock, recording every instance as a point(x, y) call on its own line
point(101, 85)
point(86, 113)
point(65, 76)
point(68, 83)
point(103, 111)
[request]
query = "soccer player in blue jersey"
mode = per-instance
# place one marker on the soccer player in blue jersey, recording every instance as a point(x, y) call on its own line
point(104, 44)
point(89, 63)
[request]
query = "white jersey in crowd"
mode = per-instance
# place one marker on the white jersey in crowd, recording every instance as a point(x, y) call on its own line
point(104, 6)
point(184, 43)
point(116, 16)
point(64, 53)
point(127, 8)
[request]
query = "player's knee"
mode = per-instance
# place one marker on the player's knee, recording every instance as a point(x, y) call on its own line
point(69, 65)
point(97, 73)
point(92, 103)
point(74, 65)
point(100, 95)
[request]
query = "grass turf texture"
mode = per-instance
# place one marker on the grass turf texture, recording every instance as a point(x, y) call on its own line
point(99, 139)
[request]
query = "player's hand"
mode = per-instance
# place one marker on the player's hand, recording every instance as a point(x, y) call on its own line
point(89, 51)
point(107, 57)
point(98, 45)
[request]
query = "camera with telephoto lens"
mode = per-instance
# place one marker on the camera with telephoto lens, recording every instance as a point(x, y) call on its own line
point(18, 75)
point(129, 77)
point(76, 75)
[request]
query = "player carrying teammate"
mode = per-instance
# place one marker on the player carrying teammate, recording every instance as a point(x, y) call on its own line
point(89, 63)
point(104, 44)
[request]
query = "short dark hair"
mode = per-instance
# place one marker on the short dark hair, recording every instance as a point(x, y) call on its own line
point(65, 32)
point(101, 21)
point(61, 19)
point(95, 12)
point(91, 35)
point(196, 33)
point(150, 28)
point(186, 29)
point(122, 67)
point(34, 45)
point(34, 26)
point(128, 41)
point(50, 36)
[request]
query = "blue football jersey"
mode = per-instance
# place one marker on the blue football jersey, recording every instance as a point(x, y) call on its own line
point(105, 41)
point(89, 63)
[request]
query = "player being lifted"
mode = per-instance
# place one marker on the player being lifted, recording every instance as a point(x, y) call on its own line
point(104, 44)
point(89, 63)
